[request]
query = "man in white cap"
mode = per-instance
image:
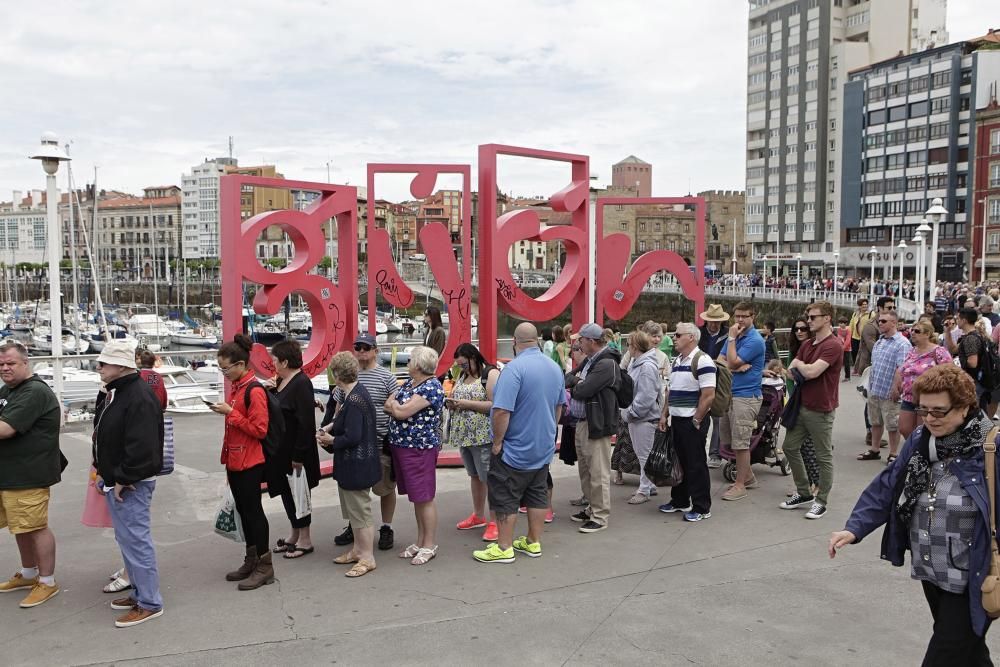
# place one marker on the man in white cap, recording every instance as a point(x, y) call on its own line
point(594, 402)
point(128, 454)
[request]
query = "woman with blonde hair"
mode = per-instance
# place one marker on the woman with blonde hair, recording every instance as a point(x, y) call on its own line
point(643, 415)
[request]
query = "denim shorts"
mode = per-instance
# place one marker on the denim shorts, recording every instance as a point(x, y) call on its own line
point(477, 460)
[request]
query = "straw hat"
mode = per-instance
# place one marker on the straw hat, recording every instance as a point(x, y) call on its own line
point(715, 313)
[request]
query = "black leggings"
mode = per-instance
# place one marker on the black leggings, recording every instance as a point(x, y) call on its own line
point(953, 641)
point(245, 485)
point(289, 503)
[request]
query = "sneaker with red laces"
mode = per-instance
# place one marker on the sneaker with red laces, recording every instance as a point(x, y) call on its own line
point(472, 521)
point(549, 516)
point(491, 534)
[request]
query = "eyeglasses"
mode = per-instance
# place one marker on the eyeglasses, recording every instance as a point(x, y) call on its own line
point(883, 321)
point(361, 347)
point(815, 317)
point(802, 328)
point(226, 369)
point(888, 307)
point(937, 413)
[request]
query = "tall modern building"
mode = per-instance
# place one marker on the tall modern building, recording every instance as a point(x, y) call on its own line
point(200, 207)
point(799, 54)
point(909, 138)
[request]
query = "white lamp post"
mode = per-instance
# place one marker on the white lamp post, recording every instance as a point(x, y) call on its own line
point(51, 155)
point(922, 231)
point(798, 271)
point(934, 214)
point(836, 261)
point(871, 280)
point(919, 271)
point(902, 250)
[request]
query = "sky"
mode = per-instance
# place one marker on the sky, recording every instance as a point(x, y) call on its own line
point(146, 90)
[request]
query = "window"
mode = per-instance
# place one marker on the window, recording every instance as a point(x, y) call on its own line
point(940, 104)
point(916, 158)
point(937, 155)
point(995, 175)
point(993, 242)
point(876, 117)
point(897, 113)
point(895, 161)
point(941, 79)
point(918, 84)
point(994, 142)
point(876, 163)
point(876, 93)
point(994, 211)
point(918, 109)
point(918, 133)
point(939, 130)
point(916, 206)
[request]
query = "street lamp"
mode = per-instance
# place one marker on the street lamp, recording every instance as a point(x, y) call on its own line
point(919, 271)
point(922, 231)
point(902, 251)
point(836, 261)
point(982, 273)
point(934, 214)
point(798, 271)
point(871, 281)
point(51, 155)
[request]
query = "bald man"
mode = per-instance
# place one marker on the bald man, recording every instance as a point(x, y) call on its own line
point(527, 404)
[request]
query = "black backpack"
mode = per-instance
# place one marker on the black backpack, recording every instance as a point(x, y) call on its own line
point(271, 442)
point(989, 365)
point(625, 388)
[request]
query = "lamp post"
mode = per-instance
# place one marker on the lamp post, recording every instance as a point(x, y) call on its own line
point(902, 250)
point(922, 232)
point(836, 261)
point(51, 155)
point(798, 271)
point(918, 294)
point(982, 273)
point(871, 281)
point(934, 214)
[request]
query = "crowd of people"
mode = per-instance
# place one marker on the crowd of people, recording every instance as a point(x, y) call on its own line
point(702, 385)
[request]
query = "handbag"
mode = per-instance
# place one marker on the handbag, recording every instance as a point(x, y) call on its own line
point(662, 467)
point(168, 446)
point(299, 485)
point(991, 584)
point(95, 505)
point(227, 519)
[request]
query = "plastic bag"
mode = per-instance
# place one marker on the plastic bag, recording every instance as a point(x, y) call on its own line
point(662, 467)
point(227, 519)
point(299, 485)
point(168, 446)
point(95, 505)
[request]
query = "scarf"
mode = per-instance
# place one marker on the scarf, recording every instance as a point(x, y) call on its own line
point(965, 441)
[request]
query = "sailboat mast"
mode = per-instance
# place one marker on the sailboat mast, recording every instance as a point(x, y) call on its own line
point(72, 254)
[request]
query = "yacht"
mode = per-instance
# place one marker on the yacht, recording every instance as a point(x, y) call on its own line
point(149, 328)
point(194, 337)
point(186, 393)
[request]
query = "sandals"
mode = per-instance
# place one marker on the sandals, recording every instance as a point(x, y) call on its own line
point(298, 552)
point(869, 455)
point(346, 558)
point(118, 585)
point(889, 459)
point(410, 551)
point(638, 499)
point(281, 546)
point(117, 574)
point(618, 480)
point(360, 569)
point(424, 555)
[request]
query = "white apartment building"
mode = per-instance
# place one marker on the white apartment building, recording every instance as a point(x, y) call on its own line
point(23, 230)
point(800, 52)
point(200, 208)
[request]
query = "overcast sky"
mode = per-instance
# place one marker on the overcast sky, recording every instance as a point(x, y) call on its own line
point(146, 90)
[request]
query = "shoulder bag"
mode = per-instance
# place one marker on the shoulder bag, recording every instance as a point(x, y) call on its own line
point(991, 584)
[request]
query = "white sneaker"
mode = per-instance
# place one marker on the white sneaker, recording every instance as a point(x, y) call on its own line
point(714, 462)
point(816, 511)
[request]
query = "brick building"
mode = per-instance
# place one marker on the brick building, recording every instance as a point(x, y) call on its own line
point(633, 173)
point(724, 233)
point(986, 194)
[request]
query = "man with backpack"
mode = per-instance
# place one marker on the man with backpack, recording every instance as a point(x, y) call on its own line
point(593, 389)
point(743, 355)
point(689, 400)
point(818, 363)
point(975, 353)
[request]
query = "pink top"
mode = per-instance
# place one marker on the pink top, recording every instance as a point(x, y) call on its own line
point(916, 363)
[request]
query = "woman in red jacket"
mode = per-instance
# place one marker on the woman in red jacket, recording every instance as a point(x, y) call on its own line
point(243, 456)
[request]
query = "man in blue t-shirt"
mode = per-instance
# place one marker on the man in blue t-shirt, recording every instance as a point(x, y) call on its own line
point(527, 403)
point(743, 354)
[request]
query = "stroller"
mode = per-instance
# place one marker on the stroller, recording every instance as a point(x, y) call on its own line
point(764, 441)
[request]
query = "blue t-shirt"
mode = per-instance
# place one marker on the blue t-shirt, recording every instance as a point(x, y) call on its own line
point(530, 387)
point(419, 431)
point(749, 348)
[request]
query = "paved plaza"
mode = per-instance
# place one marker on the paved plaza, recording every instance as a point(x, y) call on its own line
point(752, 585)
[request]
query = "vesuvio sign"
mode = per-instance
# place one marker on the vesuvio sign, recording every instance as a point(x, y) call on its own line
point(334, 306)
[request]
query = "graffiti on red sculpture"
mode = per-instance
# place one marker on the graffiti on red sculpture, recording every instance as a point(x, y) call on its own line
point(333, 307)
point(618, 285)
point(452, 279)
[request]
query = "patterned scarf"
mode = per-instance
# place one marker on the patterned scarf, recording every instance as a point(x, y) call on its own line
point(964, 442)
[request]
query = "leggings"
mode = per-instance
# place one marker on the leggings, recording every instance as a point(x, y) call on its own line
point(848, 362)
point(245, 485)
point(289, 502)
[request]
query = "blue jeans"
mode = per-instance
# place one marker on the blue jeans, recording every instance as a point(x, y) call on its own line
point(130, 519)
point(713, 443)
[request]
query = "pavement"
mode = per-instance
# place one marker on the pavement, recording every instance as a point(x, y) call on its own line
point(751, 586)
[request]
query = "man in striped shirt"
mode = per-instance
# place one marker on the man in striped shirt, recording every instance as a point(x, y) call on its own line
point(381, 384)
point(689, 398)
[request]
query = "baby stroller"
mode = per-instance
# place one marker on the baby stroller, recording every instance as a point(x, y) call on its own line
point(764, 441)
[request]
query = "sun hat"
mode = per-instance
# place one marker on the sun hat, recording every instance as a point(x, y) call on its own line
point(715, 313)
point(118, 353)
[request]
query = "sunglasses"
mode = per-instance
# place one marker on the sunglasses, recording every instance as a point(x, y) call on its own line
point(361, 347)
point(937, 413)
point(883, 321)
point(802, 328)
point(815, 317)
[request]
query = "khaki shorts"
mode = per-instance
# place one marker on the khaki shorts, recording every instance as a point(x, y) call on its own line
point(883, 412)
point(24, 510)
point(356, 507)
point(385, 486)
point(736, 426)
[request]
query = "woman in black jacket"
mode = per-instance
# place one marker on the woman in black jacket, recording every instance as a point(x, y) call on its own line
point(298, 454)
point(356, 465)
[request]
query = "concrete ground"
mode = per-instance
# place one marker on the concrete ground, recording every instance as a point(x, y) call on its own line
point(752, 585)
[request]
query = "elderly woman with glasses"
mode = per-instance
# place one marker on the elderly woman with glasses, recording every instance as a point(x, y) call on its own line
point(934, 502)
point(926, 354)
point(415, 437)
